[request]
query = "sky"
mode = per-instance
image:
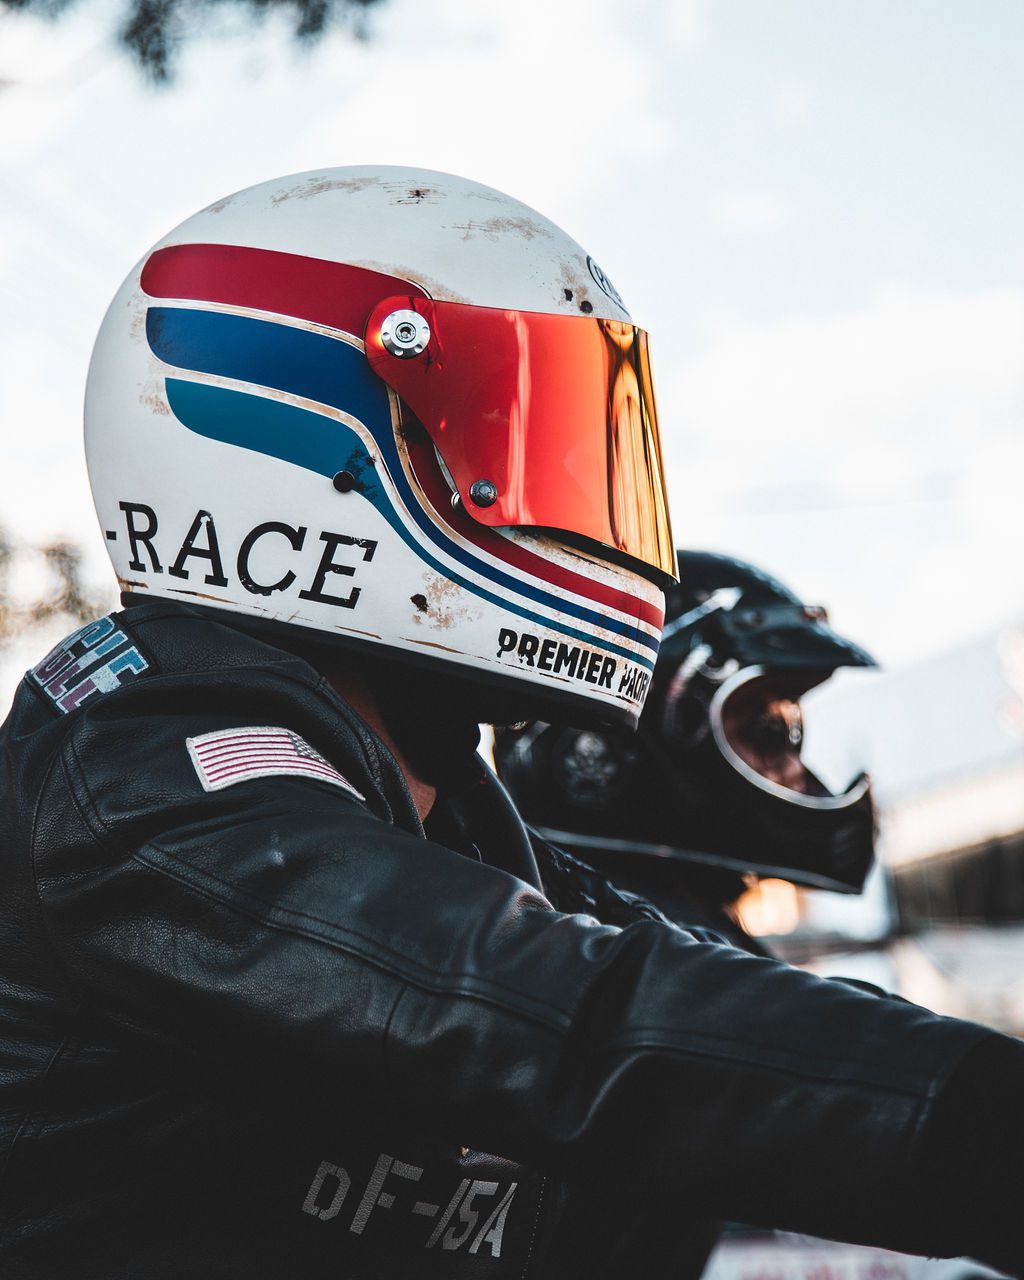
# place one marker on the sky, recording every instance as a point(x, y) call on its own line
point(814, 207)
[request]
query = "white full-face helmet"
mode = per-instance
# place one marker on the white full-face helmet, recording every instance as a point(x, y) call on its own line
point(399, 409)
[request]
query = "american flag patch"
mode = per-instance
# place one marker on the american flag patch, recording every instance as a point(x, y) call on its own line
point(259, 751)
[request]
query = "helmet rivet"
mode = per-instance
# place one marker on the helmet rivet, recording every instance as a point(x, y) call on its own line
point(484, 493)
point(405, 334)
point(344, 481)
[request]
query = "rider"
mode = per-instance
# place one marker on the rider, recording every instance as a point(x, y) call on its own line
point(285, 987)
point(712, 789)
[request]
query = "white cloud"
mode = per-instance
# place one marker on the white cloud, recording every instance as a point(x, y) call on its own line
point(793, 104)
point(686, 24)
point(544, 100)
point(752, 209)
point(42, 64)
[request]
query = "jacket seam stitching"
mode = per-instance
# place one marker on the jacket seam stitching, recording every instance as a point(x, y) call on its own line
point(720, 1055)
point(33, 1114)
point(69, 977)
point(57, 760)
point(639, 1039)
point(400, 967)
point(536, 1225)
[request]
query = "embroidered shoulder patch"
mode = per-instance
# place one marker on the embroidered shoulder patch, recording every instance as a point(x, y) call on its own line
point(259, 751)
point(97, 658)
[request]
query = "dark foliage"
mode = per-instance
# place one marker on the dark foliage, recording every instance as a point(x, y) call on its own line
point(153, 31)
point(63, 597)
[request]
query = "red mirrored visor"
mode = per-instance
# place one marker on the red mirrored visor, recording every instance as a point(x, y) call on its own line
point(544, 421)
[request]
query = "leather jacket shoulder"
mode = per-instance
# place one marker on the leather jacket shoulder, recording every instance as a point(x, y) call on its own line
point(255, 1023)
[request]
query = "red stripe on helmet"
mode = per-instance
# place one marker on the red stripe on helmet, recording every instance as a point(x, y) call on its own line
point(335, 294)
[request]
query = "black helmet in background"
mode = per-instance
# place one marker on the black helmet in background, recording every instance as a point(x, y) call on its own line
point(714, 777)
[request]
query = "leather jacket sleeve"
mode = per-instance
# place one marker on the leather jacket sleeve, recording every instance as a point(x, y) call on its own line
point(298, 938)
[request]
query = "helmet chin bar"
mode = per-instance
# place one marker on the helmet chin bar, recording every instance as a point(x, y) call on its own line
point(669, 853)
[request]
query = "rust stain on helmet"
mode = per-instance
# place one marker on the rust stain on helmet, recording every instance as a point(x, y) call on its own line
point(199, 595)
point(412, 193)
point(437, 289)
point(153, 399)
point(441, 604)
point(318, 186)
point(494, 228)
point(576, 287)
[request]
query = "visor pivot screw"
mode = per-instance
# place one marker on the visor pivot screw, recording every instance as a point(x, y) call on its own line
point(484, 493)
point(405, 334)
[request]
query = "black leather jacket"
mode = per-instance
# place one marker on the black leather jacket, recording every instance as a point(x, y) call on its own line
point(256, 1024)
